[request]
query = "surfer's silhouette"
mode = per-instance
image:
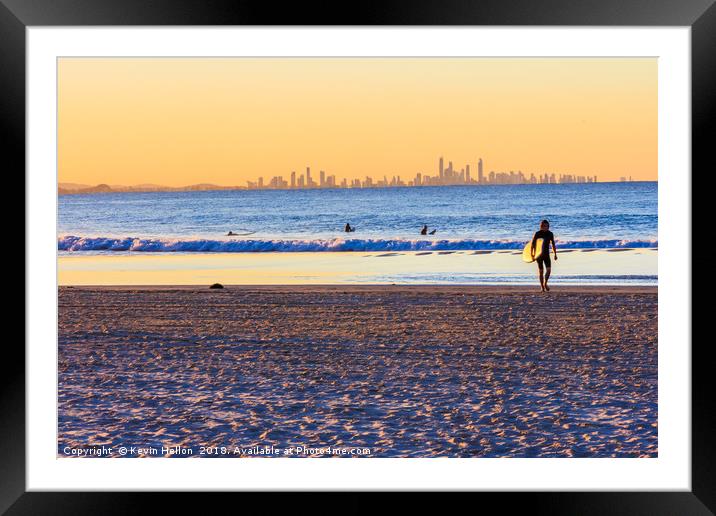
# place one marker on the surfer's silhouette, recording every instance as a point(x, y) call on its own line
point(230, 233)
point(424, 231)
point(542, 255)
point(349, 228)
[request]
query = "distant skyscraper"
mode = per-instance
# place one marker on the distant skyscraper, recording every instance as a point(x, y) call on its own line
point(448, 175)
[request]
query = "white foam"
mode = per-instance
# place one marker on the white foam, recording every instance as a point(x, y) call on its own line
point(77, 243)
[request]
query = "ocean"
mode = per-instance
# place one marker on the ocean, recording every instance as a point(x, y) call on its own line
point(600, 215)
point(469, 220)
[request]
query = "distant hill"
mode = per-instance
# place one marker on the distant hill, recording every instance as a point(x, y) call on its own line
point(148, 185)
point(76, 188)
point(72, 186)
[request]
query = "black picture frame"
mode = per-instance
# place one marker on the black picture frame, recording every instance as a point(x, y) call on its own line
point(17, 15)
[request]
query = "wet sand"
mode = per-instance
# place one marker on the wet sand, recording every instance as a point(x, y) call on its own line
point(594, 267)
point(407, 371)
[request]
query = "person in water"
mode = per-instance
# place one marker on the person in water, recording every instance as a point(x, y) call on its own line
point(542, 255)
point(230, 233)
point(349, 229)
point(424, 231)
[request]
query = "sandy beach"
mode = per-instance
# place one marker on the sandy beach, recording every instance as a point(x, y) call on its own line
point(406, 371)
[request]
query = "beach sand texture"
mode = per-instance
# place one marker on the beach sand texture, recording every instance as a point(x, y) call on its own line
point(406, 371)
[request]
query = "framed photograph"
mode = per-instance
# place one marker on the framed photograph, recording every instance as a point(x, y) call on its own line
point(421, 232)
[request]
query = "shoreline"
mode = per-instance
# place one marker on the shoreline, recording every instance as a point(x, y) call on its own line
point(367, 288)
point(498, 269)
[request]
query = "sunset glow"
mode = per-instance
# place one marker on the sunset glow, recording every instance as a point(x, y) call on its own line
point(226, 121)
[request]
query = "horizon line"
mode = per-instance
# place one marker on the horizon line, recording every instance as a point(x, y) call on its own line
point(210, 187)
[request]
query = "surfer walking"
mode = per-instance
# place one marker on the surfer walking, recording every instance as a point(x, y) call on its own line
point(544, 264)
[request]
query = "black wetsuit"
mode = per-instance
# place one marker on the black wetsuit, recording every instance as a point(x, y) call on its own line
point(542, 255)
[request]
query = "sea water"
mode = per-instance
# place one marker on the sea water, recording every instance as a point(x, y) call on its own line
point(468, 220)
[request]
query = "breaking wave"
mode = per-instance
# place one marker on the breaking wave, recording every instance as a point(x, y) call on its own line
point(76, 243)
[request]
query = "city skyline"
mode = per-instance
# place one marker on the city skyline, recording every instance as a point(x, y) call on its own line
point(229, 120)
point(447, 175)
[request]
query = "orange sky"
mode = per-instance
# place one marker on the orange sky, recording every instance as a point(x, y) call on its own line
point(228, 120)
